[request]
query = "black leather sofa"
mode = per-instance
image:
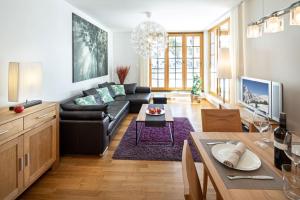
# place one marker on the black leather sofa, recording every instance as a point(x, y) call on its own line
point(89, 129)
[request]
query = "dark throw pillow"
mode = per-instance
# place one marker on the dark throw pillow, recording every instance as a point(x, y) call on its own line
point(91, 91)
point(130, 88)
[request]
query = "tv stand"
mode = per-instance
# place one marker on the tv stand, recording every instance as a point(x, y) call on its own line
point(246, 116)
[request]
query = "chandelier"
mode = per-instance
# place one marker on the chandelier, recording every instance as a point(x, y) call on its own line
point(147, 36)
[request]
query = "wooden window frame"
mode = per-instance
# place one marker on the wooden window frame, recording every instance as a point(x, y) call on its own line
point(184, 63)
point(218, 33)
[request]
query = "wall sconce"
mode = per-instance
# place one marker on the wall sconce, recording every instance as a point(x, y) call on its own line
point(295, 14)
point(274, 24)
point(254, 31)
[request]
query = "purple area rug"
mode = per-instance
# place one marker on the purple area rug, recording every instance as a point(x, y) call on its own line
point(150, 146)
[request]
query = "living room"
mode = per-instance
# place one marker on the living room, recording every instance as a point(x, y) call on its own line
point(122, 93)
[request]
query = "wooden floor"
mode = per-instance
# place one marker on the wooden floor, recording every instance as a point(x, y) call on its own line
point(92, 177)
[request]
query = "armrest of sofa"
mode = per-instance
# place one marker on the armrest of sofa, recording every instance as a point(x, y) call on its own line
point(82, 115)
point(140, 89)
point(74, 107)
point(84, 136)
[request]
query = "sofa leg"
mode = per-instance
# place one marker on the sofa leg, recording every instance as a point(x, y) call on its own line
point(102, 154)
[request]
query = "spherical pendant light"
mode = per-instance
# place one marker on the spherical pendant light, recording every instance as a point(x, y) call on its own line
point(148, 35)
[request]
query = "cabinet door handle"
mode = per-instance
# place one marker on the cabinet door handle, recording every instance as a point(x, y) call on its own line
point(26, 159)
point(2, 132)
point(20, 164)
point(42, 116)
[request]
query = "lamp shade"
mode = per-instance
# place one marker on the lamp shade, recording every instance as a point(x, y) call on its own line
point(295, 16)
point(254, 31)
point(224, 68)
point(24, 81)
point(274, 24)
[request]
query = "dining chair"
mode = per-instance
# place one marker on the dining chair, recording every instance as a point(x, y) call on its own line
point(219, 120)
point(191, 182)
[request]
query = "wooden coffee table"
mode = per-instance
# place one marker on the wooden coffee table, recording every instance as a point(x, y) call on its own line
point(165, 120)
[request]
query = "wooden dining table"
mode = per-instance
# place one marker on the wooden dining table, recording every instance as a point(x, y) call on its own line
point(265, 154)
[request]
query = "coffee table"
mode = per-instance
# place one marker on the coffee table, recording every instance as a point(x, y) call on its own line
point(165, 120)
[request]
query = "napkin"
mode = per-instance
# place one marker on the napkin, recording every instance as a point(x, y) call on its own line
point(234, 156)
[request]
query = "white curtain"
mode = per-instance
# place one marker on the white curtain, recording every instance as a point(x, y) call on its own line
point(144, 71)
point(236, 54)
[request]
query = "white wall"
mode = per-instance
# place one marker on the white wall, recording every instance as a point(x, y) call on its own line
point(124, 54)
point(275, 56)
point(35, 30)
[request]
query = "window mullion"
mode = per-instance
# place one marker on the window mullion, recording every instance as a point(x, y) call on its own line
point(184, 61)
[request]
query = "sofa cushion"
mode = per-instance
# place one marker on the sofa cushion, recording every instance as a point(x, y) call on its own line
point(73, 107)
point(140, 89)
point(93, 92)
point(118, 90)
point(116, 107)
point(88, 100)
point(82, 115)
point(121, 98)
point(139, 98)
point(105, 95)
point(130, 88)
point(108, 85)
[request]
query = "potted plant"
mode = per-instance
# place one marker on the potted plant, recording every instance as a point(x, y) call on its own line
point(196, 89)
point(122, 72)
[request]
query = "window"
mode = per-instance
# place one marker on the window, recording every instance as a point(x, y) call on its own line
point(218, 38)
point(182, 60)
point(175, 62)
point(157, 69)
point(193, 58)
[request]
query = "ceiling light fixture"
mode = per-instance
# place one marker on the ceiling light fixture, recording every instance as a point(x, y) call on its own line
point(254, 30)
point(295, 14)
point(275, 22)
point(148, 35)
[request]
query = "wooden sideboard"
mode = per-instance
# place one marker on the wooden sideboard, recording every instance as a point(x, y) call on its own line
point(29, 146)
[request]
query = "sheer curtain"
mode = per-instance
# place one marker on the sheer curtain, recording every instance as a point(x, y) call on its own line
point(235, 52)
point(144, 71)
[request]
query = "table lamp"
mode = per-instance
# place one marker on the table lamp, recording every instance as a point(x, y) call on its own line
point(24, 83)
point(224, 68)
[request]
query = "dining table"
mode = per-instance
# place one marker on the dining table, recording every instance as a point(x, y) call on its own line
point(266, 155)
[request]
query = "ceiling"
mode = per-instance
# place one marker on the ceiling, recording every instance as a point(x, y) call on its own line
point(174, 15)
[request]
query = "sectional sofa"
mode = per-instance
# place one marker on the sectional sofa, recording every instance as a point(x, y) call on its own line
point(89, 129)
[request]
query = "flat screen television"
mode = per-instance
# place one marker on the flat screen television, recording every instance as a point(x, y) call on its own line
point(263, 95)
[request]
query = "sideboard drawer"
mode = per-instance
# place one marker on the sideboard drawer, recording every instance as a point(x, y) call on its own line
point(39, 117)
point(11, 128)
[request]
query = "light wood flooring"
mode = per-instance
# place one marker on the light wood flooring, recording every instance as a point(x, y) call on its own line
point(92, 177)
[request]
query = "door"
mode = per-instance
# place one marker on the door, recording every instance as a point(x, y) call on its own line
point(39, 151)
point(193, 59)
point(175, 62)
point(182, 61)
point(11, 168)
